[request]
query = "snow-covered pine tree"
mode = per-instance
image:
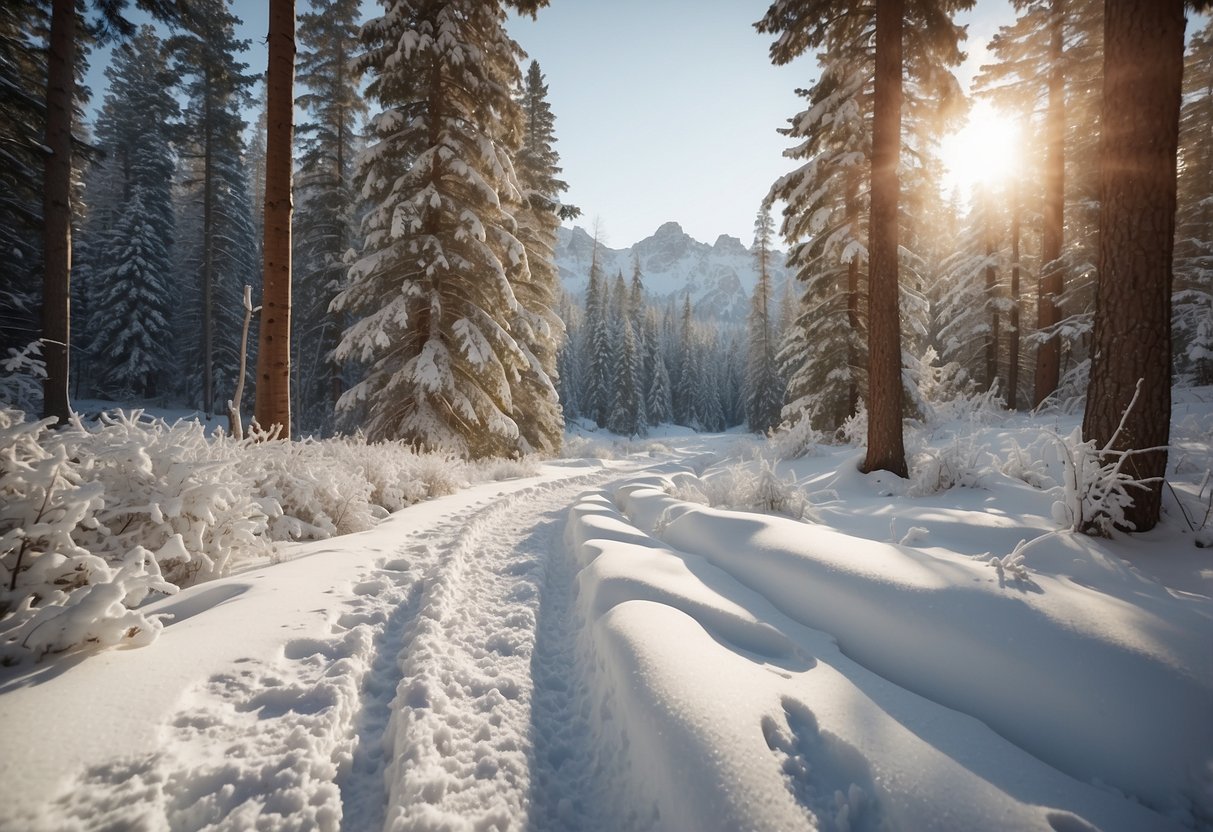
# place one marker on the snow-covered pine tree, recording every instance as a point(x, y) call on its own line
point(125, 259)
point(688, 381)
point(1048, 66)
point(763, 386)
point(539, 330)
point(221, 256)
point(432, 291)
point(1193, 306)
point(658, 406)
point(627, 415)
point(325, 217)
point(568, 360)
point(596, 345)
point(22, 124)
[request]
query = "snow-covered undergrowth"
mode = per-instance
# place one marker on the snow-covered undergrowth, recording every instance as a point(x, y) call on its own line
point(95, 516)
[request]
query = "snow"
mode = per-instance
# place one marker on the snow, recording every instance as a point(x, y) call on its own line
point(594, 647)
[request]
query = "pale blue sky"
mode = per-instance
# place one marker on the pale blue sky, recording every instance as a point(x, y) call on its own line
point(665, 109)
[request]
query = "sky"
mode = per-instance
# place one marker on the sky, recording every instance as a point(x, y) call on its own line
point(665, 109)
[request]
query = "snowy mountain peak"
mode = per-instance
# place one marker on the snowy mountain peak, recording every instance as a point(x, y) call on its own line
point(719, 277)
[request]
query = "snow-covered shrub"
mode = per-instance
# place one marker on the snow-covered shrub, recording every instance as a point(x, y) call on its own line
point(1095, 488)
point(744, 488)
point(854, 430)
point(436, 473)
point(1027, 464)
point(21, 376)
point(792, 441)
point(945, 393)
point(321, 490)
point(495, 470)
point(56, 593)
point(961, 463)
point(163, 480)
point(97, 613)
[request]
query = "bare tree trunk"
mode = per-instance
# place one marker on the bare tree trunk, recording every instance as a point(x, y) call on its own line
point(1143, 70)
point(57, 210)
point(235, 423)
point(1013, 323)
point(274, 355)
point(1048, 354)
point(886, 447)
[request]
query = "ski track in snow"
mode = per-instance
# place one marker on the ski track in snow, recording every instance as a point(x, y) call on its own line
point(418, 712)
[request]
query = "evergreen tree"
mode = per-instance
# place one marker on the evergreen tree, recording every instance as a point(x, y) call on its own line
point(688, 378)
point(222, 257)
point(540, 330)
point(1129, 396)
point(658, 405)
point(22, 124)
point(1193, 315)
point(764, 392)
point(125, 253)
point(568, 360)
point(432, 293)
point(596, 346)
point(627, 416)
point(325, 218)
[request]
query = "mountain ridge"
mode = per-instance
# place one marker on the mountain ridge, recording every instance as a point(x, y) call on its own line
point(719, 276)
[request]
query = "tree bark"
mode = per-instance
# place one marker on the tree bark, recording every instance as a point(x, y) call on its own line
point(1143, 70)
point(57, 210)
point(886, 447)
point(273, 407)
point(1048, 354)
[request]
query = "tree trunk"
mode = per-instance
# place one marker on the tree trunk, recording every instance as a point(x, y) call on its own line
point(273, 407)
point(886, 448)
point(57, 210)
point(991, 293)
point(1013, 323)
point(1143, 70)
point(1048, 354)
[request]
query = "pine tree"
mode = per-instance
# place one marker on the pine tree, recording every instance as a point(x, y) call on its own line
point(125, 254)
point(432, 292)
point(688, 377)
point(764, 393)
point(273, 401)
point(22, 124)
point(1193, 302)
point(1143, 72)
point(627, 415)
point(539, 329)
point(596, 346)
point(658, 404)
point(325, 217)
point(568, 360)
point(222, 257)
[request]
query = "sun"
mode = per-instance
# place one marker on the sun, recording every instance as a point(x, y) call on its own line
point(986, 151)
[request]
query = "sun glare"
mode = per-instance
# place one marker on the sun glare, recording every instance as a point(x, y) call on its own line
point(985, 151)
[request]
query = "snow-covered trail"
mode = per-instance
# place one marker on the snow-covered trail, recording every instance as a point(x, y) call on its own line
point(400, 689)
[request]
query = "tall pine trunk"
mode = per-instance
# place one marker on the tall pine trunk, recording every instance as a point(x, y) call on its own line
point(1013, 322)
point(1048, 354)
point(57, 210)
point(886, 447)
point(852, 209)
point(1143, 70)
point(273, 405)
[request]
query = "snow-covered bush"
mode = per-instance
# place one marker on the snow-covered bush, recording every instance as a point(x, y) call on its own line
point(744, 488)
point(162, 481)
point(21, 376)
point(854, 430)
point(1027, 464)
point(945, 393)
point(792, 441)
point(1095, 488)
point(56, 593)
point(961, 463)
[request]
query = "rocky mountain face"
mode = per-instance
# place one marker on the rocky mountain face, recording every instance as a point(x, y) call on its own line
point(719, 277)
